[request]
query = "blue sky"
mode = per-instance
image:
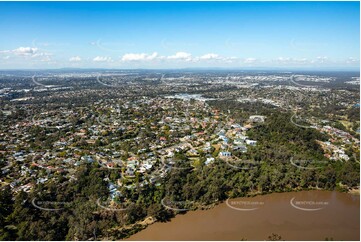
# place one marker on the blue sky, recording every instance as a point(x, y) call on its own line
point(180, 34)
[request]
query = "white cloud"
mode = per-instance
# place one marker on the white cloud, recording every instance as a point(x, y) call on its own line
point(41, 54)
point(75, 59)
point(351, 60)
point(183, 56)
point(322, 59)
point(28, 52)
point(215, 57)
point(152, 56)
point(25, 51)
point(180, 56)
point(292, 61)
point(45, 57)
point(230, 59)
point(283, 59)
point(21, 51)
point(133, 57)
point(250, 60)
point(102, 59)
point(210, 56)
point(139, 57)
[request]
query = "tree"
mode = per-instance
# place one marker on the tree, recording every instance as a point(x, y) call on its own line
point(157, 211)
point(6, 208)
point(274, 237)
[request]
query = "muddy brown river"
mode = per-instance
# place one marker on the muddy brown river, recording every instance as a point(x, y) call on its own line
point(306, 215)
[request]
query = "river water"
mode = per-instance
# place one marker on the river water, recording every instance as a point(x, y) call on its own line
point(306, 215)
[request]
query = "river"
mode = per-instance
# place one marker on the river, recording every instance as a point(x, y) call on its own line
point(305, 215)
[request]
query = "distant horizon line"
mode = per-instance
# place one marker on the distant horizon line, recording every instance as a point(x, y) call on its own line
point(350, 69)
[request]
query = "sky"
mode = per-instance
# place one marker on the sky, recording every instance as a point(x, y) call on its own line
point(158, 35)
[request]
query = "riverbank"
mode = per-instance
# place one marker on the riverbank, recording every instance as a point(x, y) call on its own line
point(354, 191)
point(128, 231)
point(337, 218)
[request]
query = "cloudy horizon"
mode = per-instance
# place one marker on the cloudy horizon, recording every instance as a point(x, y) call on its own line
point(171, 35)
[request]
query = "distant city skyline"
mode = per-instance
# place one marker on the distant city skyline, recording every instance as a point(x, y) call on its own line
point(170, 35)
